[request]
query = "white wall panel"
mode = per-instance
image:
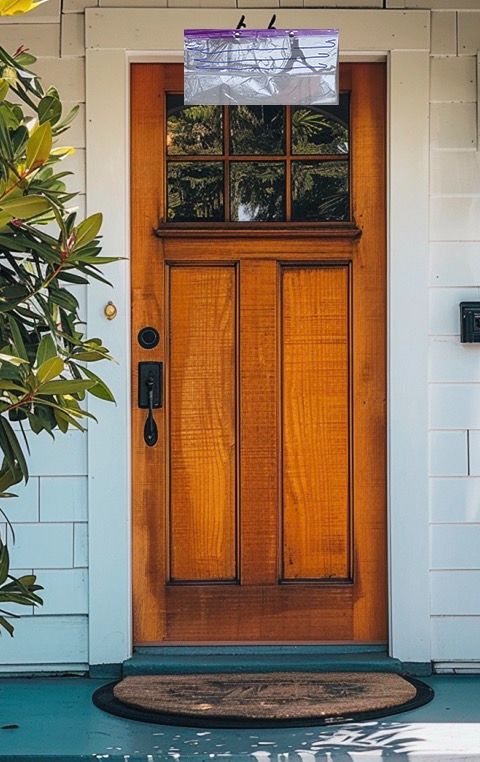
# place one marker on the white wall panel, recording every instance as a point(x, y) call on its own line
point(73, 35)
point(67, 74)
point(455, 219)
point(448, 453)
point(455, 500)
point(444, 33)
point(450, 360)
point(373, 27)
point(66, 455)
point(42, 41)
point(66, 591)
point(455, 638)
point(80, 545)
point(455, 406)
point(76, 133)
point(468, 31)
point(474, 450)
point(78, 6)
point(49, 546)
point(454, 172)
point(47, 640)
point(455, 546)
point(453, 79)
point(133, 3)
point(453, 125)
point(455, 264)
point(24, 507)
point(455, 592)
point(76, 165)
point(63, 498)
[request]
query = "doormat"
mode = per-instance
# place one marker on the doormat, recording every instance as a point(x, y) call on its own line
point(275, 699)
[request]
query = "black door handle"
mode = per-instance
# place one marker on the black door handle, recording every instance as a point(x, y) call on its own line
point(150, 396)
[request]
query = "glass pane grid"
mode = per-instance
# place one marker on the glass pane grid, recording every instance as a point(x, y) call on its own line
point(252, 164)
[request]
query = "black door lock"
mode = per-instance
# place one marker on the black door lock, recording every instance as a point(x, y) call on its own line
point(150, 396)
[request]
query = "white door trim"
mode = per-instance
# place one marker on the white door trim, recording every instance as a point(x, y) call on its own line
point(115, 38)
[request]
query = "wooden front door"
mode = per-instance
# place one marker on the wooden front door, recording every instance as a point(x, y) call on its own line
point(258, 253)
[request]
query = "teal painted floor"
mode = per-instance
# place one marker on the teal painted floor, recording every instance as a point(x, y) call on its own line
point(57, 721)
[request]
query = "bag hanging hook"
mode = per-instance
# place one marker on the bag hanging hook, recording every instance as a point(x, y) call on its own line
point(241, 24)
point(272, 22)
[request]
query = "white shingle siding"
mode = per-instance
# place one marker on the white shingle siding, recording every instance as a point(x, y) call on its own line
point(50, 516)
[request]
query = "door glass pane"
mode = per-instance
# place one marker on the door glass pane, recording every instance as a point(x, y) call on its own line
point(320, 191)
point(195, 191)
point(257, 191)
point(321, 129)
point(257, 130)
point(194, 130)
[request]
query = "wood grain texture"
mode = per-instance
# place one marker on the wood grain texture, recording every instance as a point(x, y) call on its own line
point(148, 463)
point(315, 422)
point(368, 104)
point(259, 606)
point(258, 421)
point(202, 432)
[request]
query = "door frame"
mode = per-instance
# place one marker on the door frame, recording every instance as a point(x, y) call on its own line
point(115, 38)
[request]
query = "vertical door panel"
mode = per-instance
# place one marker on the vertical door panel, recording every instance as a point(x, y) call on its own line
point(258, 422)
point(315, 407)
point(202, 423)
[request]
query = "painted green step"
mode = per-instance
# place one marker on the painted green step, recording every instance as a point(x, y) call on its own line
point(256, 659)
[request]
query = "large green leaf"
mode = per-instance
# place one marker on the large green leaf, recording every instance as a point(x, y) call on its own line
point(65, 387)
point(11, 447)
point(39, 146)
point(46, 349)
point(8, 626)
point(88, 230)
point(50, 369)
point(25, 207)
point(49, 109)
point(4, 562)
point(12, 360)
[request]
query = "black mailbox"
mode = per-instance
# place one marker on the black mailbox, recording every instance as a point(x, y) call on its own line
point(470, 322)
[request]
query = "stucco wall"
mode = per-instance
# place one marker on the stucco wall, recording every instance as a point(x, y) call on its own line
point(51, 515)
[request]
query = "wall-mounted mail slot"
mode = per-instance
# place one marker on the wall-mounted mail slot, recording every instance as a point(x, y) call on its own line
point(470, 322)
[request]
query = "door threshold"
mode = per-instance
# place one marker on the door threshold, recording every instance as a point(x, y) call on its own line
point(208, 659)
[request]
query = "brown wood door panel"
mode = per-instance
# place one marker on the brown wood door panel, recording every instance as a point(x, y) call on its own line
point(202, 423)
point(260, 514)
point(260, 613)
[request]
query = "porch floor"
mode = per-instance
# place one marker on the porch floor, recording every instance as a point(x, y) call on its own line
point(57, 721)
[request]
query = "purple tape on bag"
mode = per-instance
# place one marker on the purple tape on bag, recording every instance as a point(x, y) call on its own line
point(218, 33)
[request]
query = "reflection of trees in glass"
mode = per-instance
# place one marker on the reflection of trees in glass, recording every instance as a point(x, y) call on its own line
point(316, 131)
point(257, 129)
point(194, 130)
point(320, 191)
point(257, 191)
point(195, 191)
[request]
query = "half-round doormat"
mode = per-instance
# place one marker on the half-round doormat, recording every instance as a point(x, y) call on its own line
point(275, 699)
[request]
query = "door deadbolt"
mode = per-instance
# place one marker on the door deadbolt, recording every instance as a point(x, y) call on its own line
point(148, 337)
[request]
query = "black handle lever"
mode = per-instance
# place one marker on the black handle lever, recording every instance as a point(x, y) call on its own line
point(150, 431)
point(150, 396)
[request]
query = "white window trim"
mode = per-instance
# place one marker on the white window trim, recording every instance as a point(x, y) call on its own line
point(115, 38)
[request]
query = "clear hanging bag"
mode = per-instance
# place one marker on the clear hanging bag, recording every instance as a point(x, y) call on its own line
point(261, 66)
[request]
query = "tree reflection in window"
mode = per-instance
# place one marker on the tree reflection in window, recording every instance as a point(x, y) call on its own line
point(319, 191)
point(257, 130)
point(193, 130)
point(258, 163)
point(257, 191)
point(195, 191)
